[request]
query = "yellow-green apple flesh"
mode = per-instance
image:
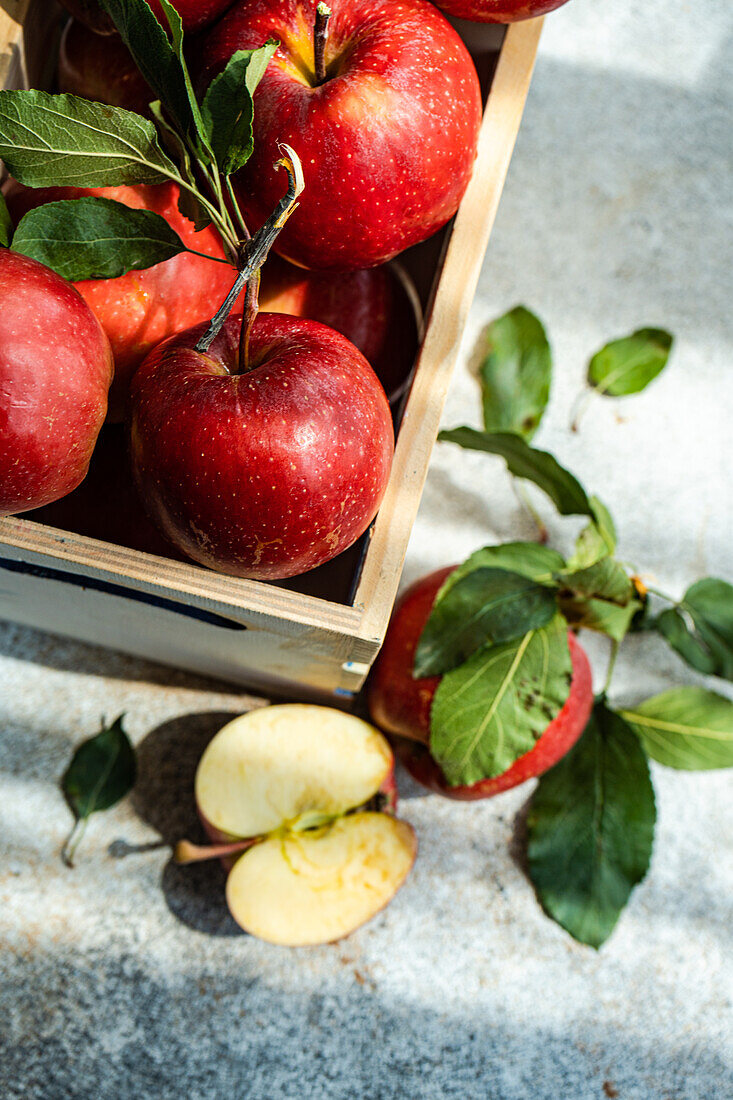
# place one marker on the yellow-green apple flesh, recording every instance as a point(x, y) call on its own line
point(55, 373)
point(263, 470)
point(401, 704)
point(387, 141)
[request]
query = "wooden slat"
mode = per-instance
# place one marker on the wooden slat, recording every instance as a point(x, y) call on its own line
point(12, 14)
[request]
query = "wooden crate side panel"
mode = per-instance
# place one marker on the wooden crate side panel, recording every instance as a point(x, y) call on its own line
point(12, 14)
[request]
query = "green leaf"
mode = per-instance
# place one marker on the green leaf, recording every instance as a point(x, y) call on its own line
point(63, 141)
point(198, 134)
point(495, 707)
point(700, 628)
point(606, 580)
point(599, 615)
point(524, 461)
point(591, 829)
point(627, 366)
point(188, 203)
point(516, 373)
point(6, 223)
point(93, 238)
point(228, 109)
point(102, 771)
point(597, 540)
point(487, 605)
point(529, 559)
point(154, 56)
point(687, 728)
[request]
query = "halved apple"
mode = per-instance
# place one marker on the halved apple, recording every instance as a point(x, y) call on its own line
point(299, 780)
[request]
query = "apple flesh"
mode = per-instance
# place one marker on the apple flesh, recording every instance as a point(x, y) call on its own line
point(400, 704)
point(498, 11)
point(194, 13)
point(142, 308)
point(295, 778)
point(55, 373)
point(377, 309)
point(387, 141)
point(268, 472)
point(101, 69)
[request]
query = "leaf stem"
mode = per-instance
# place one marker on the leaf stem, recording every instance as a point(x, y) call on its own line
point(615, 646)
point(206, 256)
point(237, 210)
point(580, 405)
point(69, 849)
point(524, 499)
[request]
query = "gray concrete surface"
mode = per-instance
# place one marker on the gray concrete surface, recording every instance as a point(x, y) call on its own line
point(125, 978)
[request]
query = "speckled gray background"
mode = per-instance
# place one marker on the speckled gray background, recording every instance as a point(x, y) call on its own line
point(126, 979)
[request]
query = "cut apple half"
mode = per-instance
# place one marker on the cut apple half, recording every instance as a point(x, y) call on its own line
point(301, 889)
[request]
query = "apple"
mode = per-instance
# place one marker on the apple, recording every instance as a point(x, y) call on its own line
point(142, 308)
point(101, 69)
point(400, 704)
point(263, 469)
point(55, 372)
point(498, 11)
point(377, 309)
point(386, 124)
point(291, 787)
point(194, 13)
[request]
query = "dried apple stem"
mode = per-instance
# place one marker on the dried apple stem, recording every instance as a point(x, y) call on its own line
point(187, 852)
point(320, 37)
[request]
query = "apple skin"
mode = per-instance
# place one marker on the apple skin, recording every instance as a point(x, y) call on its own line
point(387, 142)
point(376, 309)
point(142, 308)
point(265, 474)
point(400, 704)
point(55, 372)
point(194, 13)
point(498, 11)
point(101, 69)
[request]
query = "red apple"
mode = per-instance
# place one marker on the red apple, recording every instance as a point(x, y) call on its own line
point(194, 13)
point(400, 704)
point(498, 11)
point(143, 308)
point(265, 473)
point(387, 139)
point(101, 69)
point(55, 372)
point(377, 309)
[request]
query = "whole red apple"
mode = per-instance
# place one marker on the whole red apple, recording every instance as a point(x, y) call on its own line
point(142, 308)
point(377, 309)
point(101, 69)
point(498, 11)
point(55, 372)
point(386, 132)
point(264, 473)
point(194, 13)
point(400, 704)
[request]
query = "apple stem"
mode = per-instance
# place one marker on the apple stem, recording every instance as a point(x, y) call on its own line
point(187, 852)
point(320, 36)
point(251, 308)
point(254, 251)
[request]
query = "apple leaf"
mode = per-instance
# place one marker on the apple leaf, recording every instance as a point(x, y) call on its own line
point(687, 728)
point(516, 373)
point(486, 606)
point(529, 559)
point(495, 707)
point(524, 461)
point(92, 238)
point(188, 202)
point(597, 540)
point(603, 616)
point(199, 136)
point(102, 771)
point(700, 627)
point(6, 223)
point(63, 141)
point(628, 365)
point(605, 580)
point(228, 109)
point(591, 829)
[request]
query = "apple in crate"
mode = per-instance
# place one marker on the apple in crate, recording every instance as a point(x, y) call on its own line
point(55, 372)
point(194, 13)
point(401, 704)
point(100, 69)
point(498, 11)
point(381, 102)
point(297, 783)
point(265, 464)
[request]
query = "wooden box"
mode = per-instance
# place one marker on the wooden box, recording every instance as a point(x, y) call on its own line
point(317, 635)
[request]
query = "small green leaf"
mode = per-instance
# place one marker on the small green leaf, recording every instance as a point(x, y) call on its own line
point(628, 365)
point(6, 223)
point(529, 559)
point(63, 141)
point(188, 203)
point(199, 135)
point(600, 615)
point(102, 771)
point(700, 628)
point(228, 109)
point(591, 829)
point(516, 373)
point(495, 707)
point(486, 606)
point(564, 490)
point(93, 238)
point(597, 540)
point(606, 580)
point(687, 728)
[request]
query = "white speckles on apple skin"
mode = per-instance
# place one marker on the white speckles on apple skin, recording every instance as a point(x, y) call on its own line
point(312, 413)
